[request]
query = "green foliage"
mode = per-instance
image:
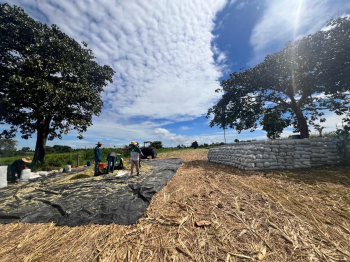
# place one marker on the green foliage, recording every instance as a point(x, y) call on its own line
point(194, 144)
point(319, 129)
point(60, 160)
point(236, 140)
point(331, 134)
point(157, 144)
point(62, 149)
point(7, 146)
point(273, 123)
point(289, 83)
point(49, 150)
point(343, 143)
point(49, 84)
point(26, 149)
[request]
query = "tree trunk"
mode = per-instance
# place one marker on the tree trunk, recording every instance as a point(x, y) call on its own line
point(224, 136)
point(302, 123)
point(41, 138)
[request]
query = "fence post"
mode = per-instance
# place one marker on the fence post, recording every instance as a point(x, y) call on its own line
point(78, 159)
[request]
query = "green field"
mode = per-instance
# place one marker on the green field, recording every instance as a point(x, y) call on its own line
point(60, 160)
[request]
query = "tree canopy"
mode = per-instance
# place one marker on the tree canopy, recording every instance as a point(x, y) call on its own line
point(157, 144)
point(49, 83)
point(7, 145)
point(194, 144)
point(26, 149)
point(293, 86)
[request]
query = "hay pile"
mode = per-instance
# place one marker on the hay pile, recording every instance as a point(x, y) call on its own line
point(296, 215)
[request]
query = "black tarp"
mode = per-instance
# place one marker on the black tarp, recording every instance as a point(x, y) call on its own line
point(101, 200)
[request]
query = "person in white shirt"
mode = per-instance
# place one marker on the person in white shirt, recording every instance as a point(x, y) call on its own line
point(135, 157)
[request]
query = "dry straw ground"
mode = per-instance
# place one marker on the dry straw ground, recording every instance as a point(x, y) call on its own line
point(299, 215)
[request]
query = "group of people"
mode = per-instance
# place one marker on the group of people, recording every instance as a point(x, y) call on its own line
point(112, 157)
point(20, 164)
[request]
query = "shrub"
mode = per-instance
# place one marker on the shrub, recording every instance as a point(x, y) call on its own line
point(343, 144)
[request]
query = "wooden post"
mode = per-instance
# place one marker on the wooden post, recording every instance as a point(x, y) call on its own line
point(78, 160)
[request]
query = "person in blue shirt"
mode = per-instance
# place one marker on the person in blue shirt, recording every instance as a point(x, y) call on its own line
point(97, 157)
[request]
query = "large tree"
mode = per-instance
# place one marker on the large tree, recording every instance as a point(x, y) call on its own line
point(49, 83)
point(295, 85)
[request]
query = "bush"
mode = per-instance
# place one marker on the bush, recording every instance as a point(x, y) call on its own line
point(343, 144)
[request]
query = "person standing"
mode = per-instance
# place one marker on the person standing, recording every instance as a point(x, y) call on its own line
point(135, 157)
point(97, 157)
point(17, 167)
point(111, 158)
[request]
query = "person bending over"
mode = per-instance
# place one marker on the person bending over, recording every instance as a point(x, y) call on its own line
point(17, 167)
point(111, 160)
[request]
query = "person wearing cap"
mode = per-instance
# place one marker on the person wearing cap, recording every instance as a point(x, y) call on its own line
point(135, 157)
point(97, 157)
point(17, 167)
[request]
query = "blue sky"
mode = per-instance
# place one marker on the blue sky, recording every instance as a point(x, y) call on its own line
point(169, 57)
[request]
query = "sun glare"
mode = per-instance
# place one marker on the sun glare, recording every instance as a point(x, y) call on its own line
point(297, 18)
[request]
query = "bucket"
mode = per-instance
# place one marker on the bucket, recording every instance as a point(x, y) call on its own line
point(88, 163)
point(101, 165)
point(3, 176)
point(25, 175)
point(68, 168)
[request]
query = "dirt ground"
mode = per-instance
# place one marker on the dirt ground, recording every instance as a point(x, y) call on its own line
point(298, 215)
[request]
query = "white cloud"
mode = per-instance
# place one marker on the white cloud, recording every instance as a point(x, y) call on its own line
point(172, 139)
point(221, 58)
point(161, 52)
point(285, 20)
point(240, 5)
point(232, 2)
point(184, 128)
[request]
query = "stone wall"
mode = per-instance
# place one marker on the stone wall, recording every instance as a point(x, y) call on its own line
point(276, 154)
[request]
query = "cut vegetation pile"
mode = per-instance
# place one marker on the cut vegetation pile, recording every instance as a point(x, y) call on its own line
point(298, 215)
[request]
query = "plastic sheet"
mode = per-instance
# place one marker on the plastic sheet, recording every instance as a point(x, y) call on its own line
point(102, 200)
